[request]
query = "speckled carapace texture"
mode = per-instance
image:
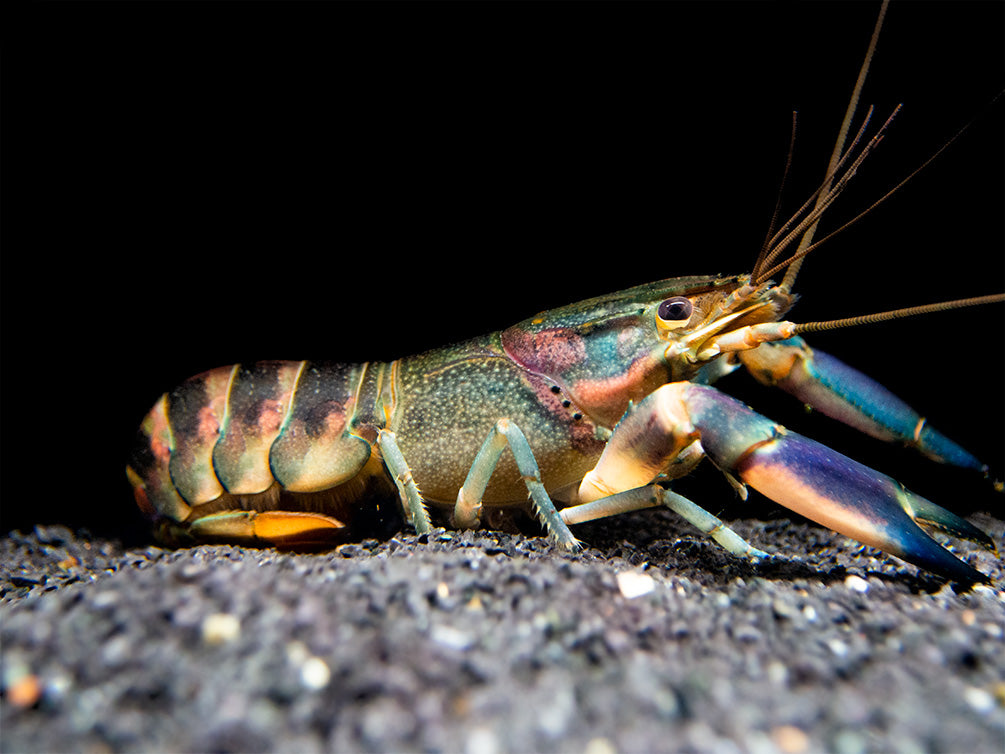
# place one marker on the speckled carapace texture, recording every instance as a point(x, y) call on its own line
point(485, 642)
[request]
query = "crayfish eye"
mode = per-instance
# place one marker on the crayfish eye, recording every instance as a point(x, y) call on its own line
point(675, 310)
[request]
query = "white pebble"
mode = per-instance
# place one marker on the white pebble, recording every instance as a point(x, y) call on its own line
point(297, 652)
point(777, 673)
point(599, 746)
point(979, 699)
point(983, 590)
point(314, 673)
point(449, 637)
point(634, 584)
point(220, 628)
point(857, 584)
point(838, 647)
point(481, 741)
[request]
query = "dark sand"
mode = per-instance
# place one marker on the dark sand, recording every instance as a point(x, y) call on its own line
point(485, 642)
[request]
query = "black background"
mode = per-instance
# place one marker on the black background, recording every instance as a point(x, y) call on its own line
point(187, 186)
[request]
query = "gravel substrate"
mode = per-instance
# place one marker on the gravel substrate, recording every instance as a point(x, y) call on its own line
point(651, 639)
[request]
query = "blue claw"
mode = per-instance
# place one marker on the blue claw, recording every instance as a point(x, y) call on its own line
point(857, 501)
point(843, 393)
point(828, 487)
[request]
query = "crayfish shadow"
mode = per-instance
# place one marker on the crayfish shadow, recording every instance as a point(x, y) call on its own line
point(801, 551)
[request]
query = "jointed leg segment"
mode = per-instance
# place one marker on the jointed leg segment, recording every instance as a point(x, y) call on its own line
point(415, 509)
point(711, 526)
point(468, 507)
point(652, 496)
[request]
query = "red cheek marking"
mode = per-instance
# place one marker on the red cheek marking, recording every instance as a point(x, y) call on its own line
point(546, 352)
point(582, 430)
point(608, 398)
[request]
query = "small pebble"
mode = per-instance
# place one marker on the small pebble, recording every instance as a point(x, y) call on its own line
point(25, 691)
point(600, 746)
point(220, 628)
point(790, 739)
point(315, 674)
point(451, 638)
point(857, 584)
point(777, 673)
point(474, 604)
point(838, 647)
point(297, 652)
point(998, 691)
point(633, 584)
point(979, 699)
point(481, 741)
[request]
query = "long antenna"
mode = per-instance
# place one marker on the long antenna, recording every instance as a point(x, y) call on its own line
point(793, 270)
point(910, 311)
point(833, 189)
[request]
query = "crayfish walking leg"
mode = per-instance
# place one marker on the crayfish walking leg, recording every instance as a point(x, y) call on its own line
point(653, 496)
point(415, 509)
point(468, 508)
